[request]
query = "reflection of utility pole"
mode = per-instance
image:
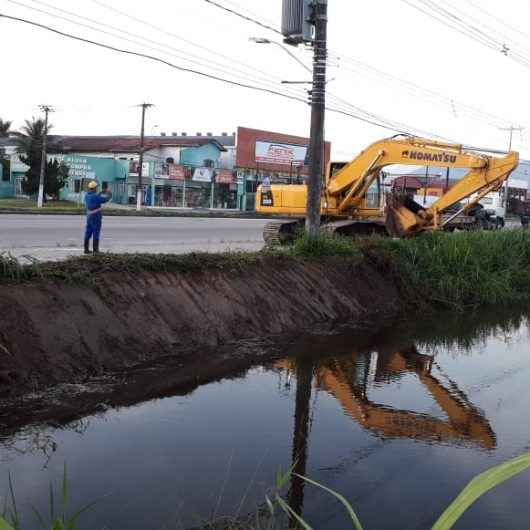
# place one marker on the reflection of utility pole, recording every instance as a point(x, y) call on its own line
point(318, 110)
point(511, 129)
point(304, 378)
point(139, 190)
point(40, 200)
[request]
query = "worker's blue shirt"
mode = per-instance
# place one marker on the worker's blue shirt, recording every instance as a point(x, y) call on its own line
point(94, 200)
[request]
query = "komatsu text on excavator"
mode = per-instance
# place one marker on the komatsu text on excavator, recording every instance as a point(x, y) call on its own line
point(354, 201)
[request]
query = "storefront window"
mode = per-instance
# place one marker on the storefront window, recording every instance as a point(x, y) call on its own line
point(251, 186)
point(225, 196)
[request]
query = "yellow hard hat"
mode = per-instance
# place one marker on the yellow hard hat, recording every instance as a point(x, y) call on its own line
point(92, 185)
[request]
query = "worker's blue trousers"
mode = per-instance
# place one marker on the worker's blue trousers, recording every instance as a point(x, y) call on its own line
point(93, 226)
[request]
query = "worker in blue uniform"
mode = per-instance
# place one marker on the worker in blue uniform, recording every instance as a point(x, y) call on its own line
point(93, 202)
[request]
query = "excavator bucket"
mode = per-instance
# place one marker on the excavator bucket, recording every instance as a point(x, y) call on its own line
point(403, 216)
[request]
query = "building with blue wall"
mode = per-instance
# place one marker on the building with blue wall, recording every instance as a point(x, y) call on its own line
point(83, 169)
point(7, 187)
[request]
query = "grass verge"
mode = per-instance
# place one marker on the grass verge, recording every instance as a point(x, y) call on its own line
point(26, 206)
point(438, 270)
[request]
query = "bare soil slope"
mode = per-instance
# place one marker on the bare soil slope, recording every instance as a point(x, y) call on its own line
point(54, 331)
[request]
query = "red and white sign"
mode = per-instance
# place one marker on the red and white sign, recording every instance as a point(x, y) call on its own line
point(280, 154)
point(225, 176)
point(176, 172)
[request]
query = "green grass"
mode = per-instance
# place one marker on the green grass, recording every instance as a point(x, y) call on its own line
point(460, 270)
point(26, 204)
point(323, 246)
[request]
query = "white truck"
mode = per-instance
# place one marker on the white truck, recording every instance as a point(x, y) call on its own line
point(490, 212)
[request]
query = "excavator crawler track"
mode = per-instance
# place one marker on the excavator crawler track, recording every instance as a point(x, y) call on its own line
point(278, 233)
point(354, 228)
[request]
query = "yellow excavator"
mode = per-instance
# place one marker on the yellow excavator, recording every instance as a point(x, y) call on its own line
point(354, 201)
point(346, 380)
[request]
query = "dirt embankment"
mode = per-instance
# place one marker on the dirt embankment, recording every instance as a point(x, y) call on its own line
point(55, 331)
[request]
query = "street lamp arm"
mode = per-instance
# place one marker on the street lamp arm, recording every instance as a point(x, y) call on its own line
point(299, 61)
point(259, 40)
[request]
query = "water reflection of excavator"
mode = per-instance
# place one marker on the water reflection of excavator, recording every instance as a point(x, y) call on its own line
point(347, 380)
point(353, 195)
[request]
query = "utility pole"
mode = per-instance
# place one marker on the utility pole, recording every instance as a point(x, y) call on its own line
point(304, 379)
point(141, 162)
point(318, 104)
point(511, 129)
point(46, 109)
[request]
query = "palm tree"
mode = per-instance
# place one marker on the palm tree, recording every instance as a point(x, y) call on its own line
point(29, 145)
point(30, 138)
point(5, 127)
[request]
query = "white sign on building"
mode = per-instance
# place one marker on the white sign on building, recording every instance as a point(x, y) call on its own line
point(202, 174)
point(280, 154)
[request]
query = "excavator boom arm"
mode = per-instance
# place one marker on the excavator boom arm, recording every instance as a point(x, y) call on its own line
point(490, 177)
point(410, 151)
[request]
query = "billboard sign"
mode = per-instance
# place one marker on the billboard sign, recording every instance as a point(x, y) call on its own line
point(280, 154)
point(225, 176)
point(176, 172)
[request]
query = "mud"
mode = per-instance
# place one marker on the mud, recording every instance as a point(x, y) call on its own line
point(53, 332)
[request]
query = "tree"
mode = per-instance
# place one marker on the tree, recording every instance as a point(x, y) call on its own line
point(29, 145)
point(5, 127)
point(56, 177)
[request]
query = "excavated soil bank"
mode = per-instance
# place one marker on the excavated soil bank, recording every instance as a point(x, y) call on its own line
point(63, 328)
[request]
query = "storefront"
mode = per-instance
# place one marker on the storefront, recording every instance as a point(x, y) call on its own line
point(179, 186)
point(106, 171)
point(280, 157)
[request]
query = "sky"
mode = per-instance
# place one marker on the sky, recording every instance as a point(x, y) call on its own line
point(386, 58)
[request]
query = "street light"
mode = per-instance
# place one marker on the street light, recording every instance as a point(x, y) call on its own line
point(261, 40)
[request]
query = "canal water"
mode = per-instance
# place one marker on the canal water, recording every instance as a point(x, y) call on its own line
point(398, 425)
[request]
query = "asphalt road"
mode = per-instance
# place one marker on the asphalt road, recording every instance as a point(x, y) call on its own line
point(54, 237)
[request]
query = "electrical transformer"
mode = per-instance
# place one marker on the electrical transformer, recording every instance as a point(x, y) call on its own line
point(297, 23)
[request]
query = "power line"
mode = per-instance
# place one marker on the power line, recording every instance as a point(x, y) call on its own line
point(192, 71)
point(498, 20)
point(178, 37)
point(150, 57)
point(490, 29)
point(435, 98)
point(160, 47)
point(447, 23)
point(343, 107)
point(456, 23)
point(253, 13)
point(364, 115)
point(473, 112)
point(244, 17)
point(385, 123)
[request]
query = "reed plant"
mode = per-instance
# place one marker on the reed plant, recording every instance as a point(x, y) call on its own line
point(462, 269)
point(58, 516)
